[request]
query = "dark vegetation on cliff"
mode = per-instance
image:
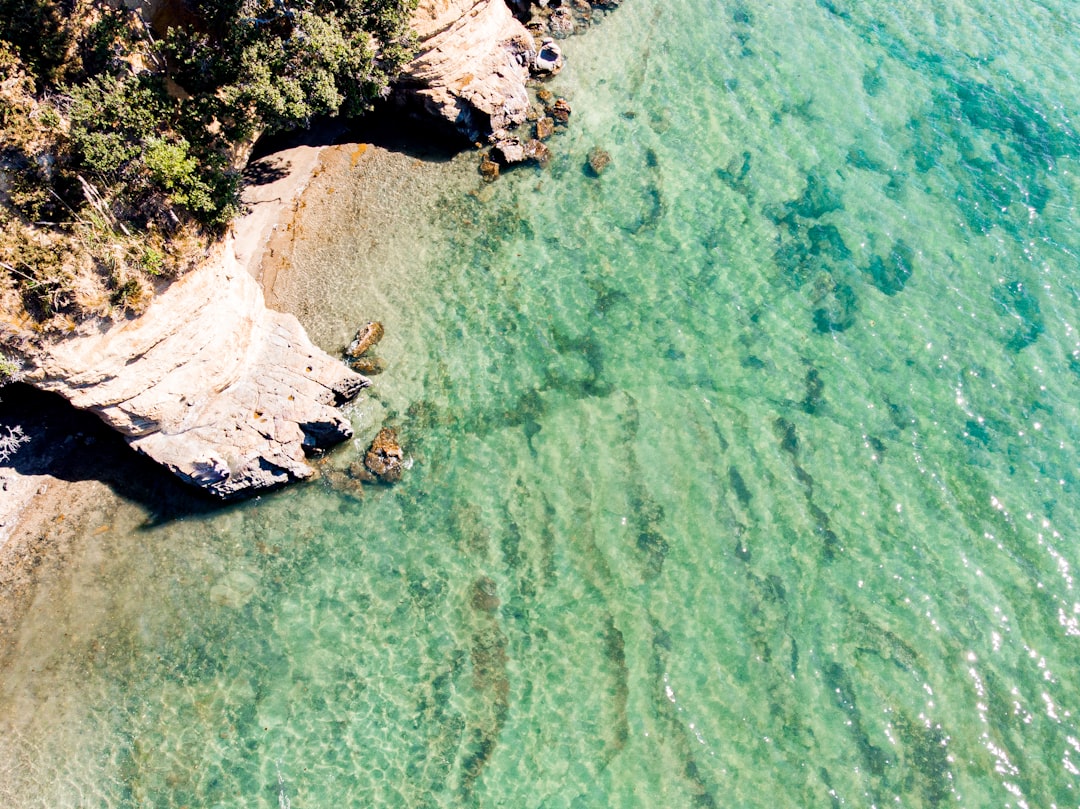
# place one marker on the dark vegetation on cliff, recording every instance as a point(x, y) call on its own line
point(122, 133)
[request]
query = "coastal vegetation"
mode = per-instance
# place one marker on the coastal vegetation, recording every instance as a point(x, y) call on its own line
point(123, 133)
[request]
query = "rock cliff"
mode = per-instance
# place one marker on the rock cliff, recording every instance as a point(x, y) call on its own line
point(226, 393)
point(473, 61)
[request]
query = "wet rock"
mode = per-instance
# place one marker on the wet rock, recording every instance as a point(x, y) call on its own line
point(366, 336)
point(489, 169)
point(545, 128)
point(560, 111)
point(357, 471)
point(545, 95)
point(598, 160)
point(385, 458)
point(368, 365)
point(535, 150)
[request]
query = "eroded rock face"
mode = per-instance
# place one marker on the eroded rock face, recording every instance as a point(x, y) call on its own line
point(472, 65)
point(226, 393)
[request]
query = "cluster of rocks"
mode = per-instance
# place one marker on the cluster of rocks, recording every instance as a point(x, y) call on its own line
point(384, 460)
point(560, 18)
point(525, 144)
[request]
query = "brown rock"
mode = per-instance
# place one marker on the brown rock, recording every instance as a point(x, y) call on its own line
point(485, 595)
point(598, 160)
point(544, 128)
point(545, 95)
point(560, 110)
point(366, 336)
point(489, 169)
point(368, 365)
point(357, 471)
point(535, 150)
point(385, 458)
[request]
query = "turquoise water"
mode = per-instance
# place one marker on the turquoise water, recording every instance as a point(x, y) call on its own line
point(745, 474)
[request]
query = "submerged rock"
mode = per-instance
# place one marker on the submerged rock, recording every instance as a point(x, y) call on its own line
point(598, 160)
point(560, 111)
point(368, 365)
point(489, 169)
point(385, 459)
point(545, 128)
point(366, 336)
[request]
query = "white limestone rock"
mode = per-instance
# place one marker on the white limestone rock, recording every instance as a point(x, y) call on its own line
point(227, 394)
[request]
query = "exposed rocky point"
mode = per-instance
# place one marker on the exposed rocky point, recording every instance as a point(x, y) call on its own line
point(545, 127)
point(385, 459)
point(227, 394)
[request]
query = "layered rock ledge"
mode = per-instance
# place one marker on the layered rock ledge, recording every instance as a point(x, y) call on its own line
point(226, 393)
point(473, 61)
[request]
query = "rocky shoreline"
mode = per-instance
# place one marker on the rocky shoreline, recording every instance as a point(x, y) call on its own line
point(209, 382)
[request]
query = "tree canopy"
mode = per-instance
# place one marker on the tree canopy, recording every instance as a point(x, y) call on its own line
point(128, 129)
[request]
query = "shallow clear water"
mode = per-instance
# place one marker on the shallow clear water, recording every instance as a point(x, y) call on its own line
point(745, 474)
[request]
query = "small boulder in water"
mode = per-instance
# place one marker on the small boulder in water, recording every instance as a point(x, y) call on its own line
point(366, 336)
point(561, 22)
point(385, 458)
point(368, 365)
point(598, 160)
point(549, 58)
point(535, 150)
point(545, 127)
point(489, 169)
point(560, 111)
point(509, 151)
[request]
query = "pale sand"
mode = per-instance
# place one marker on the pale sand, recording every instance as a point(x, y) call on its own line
point(40, 495)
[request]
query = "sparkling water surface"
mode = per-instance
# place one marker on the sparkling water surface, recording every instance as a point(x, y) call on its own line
point(744, 474)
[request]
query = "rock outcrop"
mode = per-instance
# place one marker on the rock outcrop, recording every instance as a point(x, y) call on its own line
point(227, 394)
point(384, 461)
point(472, 65)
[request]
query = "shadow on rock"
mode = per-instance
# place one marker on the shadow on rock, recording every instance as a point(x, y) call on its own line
point(74, 445)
